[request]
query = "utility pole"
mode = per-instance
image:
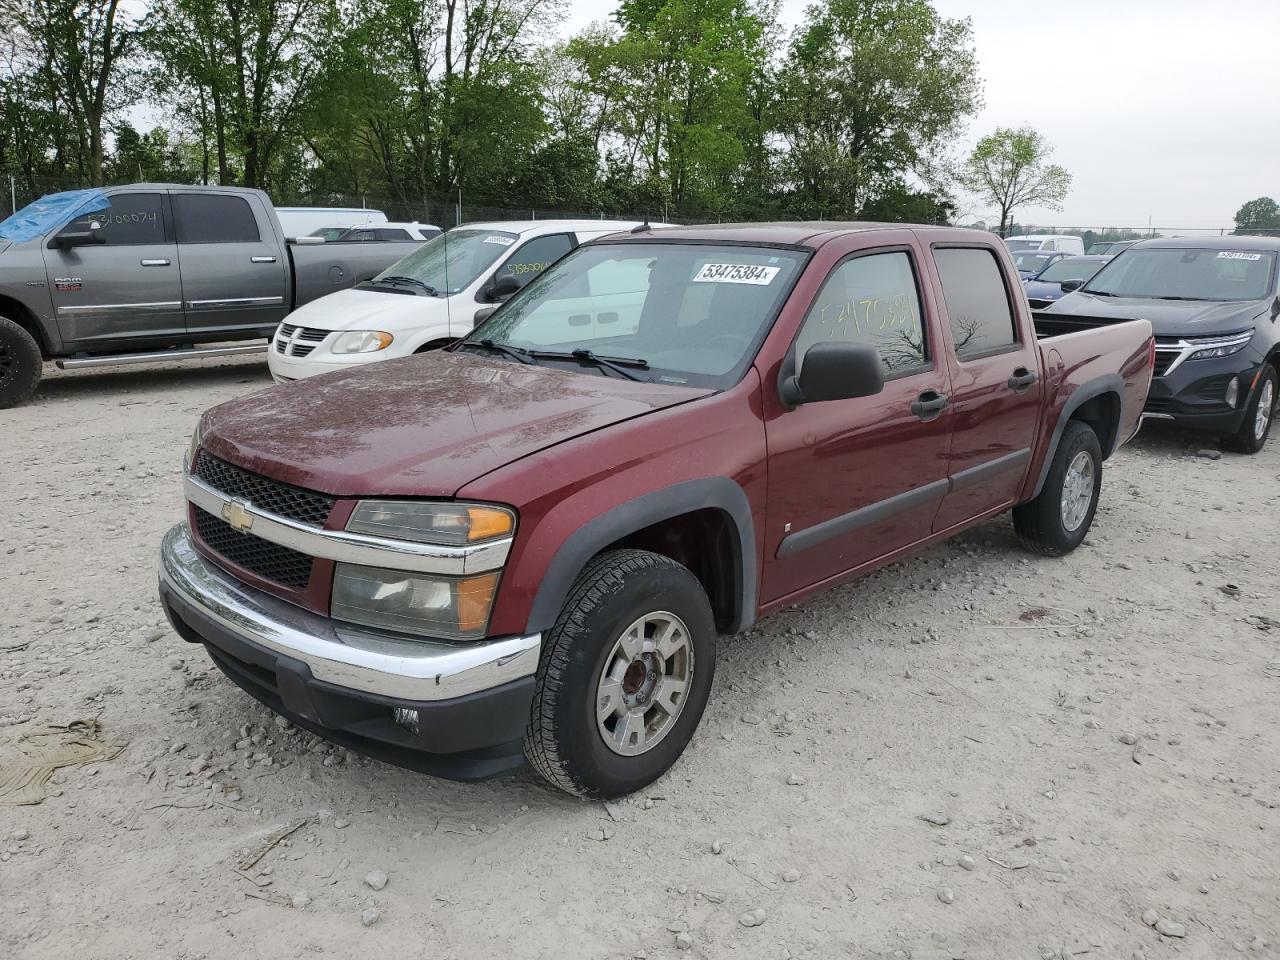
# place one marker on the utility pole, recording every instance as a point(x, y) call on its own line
point(13, 194)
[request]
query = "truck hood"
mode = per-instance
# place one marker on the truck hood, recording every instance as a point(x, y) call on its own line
point(421, 426)
point(372, 310)
point(1043, 289)
point(1169, 318)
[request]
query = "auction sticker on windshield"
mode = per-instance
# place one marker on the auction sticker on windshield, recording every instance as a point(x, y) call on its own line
point(1236, 255)
point(501, 241)
point(736, 273)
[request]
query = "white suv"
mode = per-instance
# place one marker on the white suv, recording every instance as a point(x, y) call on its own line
point(426, 300)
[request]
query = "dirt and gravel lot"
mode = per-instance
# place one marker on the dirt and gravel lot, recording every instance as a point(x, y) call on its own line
point(979, 753)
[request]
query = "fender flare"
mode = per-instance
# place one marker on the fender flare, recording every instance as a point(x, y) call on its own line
point(719, 493)
point(1107, 383)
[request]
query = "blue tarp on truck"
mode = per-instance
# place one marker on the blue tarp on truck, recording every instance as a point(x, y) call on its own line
point(36, 219)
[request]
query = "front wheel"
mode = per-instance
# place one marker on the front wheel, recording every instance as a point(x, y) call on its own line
point(1258, 416)
point(20, 364)
point(1056, 521)
point(624, 676)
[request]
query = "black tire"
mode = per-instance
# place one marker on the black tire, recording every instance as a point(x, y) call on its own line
point(1252, 435)
point(20, 364)
point(1039, 522)
point(564, 742)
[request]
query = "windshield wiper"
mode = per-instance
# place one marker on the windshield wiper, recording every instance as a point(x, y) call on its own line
point(431, 291)
point(617, 364)
point(1200, 299)
point(515, 353)
point(1096, 293)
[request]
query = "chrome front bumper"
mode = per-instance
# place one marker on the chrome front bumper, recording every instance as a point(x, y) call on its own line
point(346, 656)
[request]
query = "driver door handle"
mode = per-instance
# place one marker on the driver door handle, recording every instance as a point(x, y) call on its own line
point(154, 263)
point(1021, 379)
point(929, 405)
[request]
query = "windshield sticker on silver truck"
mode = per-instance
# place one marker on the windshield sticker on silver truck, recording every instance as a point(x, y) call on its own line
point(500, 241)
point(736, 273)
point(1237, 255)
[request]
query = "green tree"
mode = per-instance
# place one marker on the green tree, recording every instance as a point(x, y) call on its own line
point(76, 51)
point(868, 91)
point(674, 88)
point(249, 66)
point(1261, 216)
point(1010, 168)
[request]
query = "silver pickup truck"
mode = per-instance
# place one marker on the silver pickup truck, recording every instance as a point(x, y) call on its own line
point(156, 272)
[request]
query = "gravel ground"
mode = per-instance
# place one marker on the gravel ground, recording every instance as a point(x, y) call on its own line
point(978, 753)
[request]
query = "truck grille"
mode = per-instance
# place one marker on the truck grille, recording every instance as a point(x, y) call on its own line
point(281, 565)
point(295, 341)
point(265, 494)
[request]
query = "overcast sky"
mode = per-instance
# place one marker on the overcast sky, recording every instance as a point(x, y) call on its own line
point(1161, 109)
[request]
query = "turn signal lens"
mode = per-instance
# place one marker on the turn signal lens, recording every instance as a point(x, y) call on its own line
point(488, 523)
point(475, 600)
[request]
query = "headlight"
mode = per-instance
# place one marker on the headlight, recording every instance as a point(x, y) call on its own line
point(196, 436)
point(443, 523)
point(362, 341)
point(1212, 347)
point(449, 608)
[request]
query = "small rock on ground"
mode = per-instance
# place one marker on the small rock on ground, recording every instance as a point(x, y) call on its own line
point(752, 918)
point(1170, 928)
point(370, 916)
point(946, 895)
point(375, 879)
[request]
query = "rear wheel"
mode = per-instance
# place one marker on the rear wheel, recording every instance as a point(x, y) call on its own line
point(1056, 521)
point(1258, 416)
point(20, 364)
point(624, 677)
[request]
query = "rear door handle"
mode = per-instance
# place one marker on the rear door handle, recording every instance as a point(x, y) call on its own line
point(929, 405)
point(154, 263)
point(1021, 379)
point(262, 259)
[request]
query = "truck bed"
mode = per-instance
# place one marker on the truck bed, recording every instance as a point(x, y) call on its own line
point(322, 268)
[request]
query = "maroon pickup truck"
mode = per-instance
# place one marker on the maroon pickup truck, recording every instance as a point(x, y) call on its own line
point(524, 547)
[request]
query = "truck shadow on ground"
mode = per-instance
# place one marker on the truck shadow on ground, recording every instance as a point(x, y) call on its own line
point(86, 384)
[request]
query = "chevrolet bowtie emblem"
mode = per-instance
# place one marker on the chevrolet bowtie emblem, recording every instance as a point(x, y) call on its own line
point(236, 513)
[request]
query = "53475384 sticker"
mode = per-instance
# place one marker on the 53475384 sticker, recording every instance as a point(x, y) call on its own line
point(1238, 255)
point(759, 276)
point(500, 241)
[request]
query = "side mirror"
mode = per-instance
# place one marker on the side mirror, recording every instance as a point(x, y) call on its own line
point(79, 238)
point(482, 315)
point(1069, 285)
point(501, 288)
point(835, 370)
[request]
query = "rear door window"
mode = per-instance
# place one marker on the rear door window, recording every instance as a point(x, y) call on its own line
point(976, 300)
point(131, 220)
point(213, 218)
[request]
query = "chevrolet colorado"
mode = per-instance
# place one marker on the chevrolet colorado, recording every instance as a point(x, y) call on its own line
point(156, 272)
point(525, 545)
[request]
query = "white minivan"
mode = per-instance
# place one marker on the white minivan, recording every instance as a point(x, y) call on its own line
point(1062, 242)
point(428, 299)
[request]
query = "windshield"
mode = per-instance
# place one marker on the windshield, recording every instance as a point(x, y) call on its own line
point(1031, 262)
point(1016, 245)
point(452, 261)
point(1070, 268)
point(694, 313)
point(1183, 274)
